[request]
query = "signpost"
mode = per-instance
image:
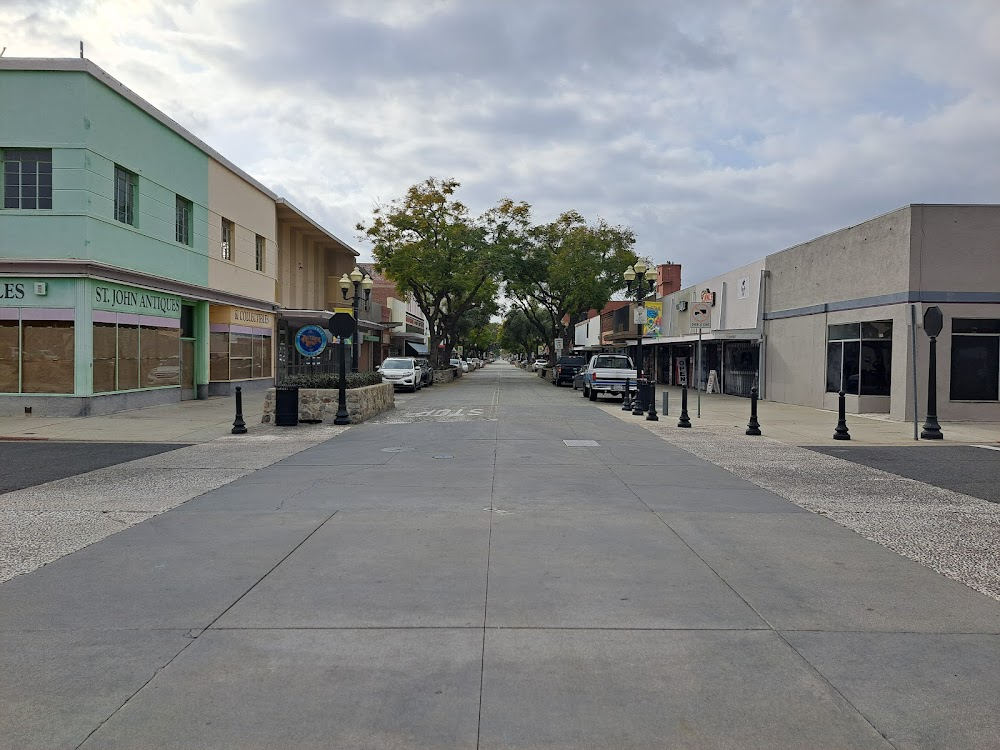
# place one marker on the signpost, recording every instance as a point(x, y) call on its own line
point(701, 318)
point(342, 325)
point(933, 323)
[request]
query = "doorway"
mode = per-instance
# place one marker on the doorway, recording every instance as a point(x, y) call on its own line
point(188, 390)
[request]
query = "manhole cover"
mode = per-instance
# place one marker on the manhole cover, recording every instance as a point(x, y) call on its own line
point(581, 443)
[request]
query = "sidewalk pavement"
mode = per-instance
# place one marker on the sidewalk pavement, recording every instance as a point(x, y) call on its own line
point(501, 565)
point(804, 425)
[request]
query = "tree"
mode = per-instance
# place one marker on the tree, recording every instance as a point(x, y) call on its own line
point(518, 334)
point(432, 248)
point(565, 268)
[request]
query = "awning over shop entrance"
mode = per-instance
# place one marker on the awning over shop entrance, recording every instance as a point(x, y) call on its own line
point(416, 349)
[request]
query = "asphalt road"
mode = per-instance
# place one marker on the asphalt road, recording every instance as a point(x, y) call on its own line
point(28, 463)
point(962, 468)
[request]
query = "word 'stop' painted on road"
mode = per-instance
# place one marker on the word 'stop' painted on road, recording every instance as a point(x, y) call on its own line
point(460, 414)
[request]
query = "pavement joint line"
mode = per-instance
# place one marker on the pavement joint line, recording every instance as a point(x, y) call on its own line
point(944, 549)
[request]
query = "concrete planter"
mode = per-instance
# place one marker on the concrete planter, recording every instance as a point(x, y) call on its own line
point(320, 404)
point(444, 376)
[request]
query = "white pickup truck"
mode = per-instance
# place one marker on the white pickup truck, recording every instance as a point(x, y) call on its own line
point(608, 374)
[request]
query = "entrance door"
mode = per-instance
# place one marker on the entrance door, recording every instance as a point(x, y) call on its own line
point(188, 391)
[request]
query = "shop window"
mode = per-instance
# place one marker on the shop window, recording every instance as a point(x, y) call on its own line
point(125, 183)
point(27, 178)
point(241, 356)
point(48, 364)
point(10, 356)
point(105, 357)
point(159, 357)
point(261, 247)
point(266, 357)
point(859, 358)
point(187, 322)
point(128, 357)
point(228, 237)
point(182, 224)
point(218, 358)
point(975, 359)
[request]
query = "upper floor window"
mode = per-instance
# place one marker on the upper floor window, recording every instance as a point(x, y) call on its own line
point(27, 178)
point(228, 237)
point(261, 246)
point(182, 227)
point(124, 196)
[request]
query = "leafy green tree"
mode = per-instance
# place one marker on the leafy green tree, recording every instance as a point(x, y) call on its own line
point(431, 247)
point(518, 334)
point(565, 268)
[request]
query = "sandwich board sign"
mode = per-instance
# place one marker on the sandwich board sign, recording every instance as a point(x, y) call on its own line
point(701, 315)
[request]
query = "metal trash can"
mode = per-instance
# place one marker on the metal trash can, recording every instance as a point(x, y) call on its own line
point(643, 393)
point(286, 405)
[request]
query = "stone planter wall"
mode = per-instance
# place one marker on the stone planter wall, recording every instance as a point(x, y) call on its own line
point(320, 404)
point(444, 376)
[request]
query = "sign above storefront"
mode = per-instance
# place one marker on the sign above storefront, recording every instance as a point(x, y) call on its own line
point(126, 299)
point(310, 341)
point(241, 316)
point(32, 292)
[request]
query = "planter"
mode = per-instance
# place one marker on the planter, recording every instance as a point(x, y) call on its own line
point(444, 376)
point(320, 404)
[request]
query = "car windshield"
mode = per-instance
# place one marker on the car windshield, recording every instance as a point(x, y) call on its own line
point(397, 364)
point(571, 361)
point(620, 363)
point(456, 361)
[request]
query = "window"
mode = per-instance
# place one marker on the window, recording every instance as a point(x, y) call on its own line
point(859, 358)
point(124, 196)
point(975, 359)
point(259, 265)
point(27, 178)
point(182, 226)
point(228, 235)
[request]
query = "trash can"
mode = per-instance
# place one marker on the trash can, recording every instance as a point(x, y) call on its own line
point(644, 394)
point(286, 405)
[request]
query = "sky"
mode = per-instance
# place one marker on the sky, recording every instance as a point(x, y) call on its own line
point(719, 131)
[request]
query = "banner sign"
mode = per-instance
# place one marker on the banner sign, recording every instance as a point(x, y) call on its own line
point(654, 319)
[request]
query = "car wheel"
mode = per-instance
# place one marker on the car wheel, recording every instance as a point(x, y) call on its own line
point(585, 393)
point(593, 395)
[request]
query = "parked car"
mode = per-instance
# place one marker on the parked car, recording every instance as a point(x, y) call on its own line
point(456, 362)
point(538, 364)
point(609, 373)
point(578, 378)
point(566, 369)
point(402, 372)
point(426, 371)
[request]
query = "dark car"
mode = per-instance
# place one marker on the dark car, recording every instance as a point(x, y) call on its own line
point(566, 369)
point(426, 371)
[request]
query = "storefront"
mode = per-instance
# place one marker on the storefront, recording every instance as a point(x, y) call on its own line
point(241, 349)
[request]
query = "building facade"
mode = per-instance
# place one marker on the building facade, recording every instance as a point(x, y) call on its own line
point(137, 265)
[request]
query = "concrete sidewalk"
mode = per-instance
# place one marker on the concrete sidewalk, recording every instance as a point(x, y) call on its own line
point(803, 425)
point(501, 565)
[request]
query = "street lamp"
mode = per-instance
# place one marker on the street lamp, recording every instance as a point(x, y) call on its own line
point(362, 284)
point(640, 281)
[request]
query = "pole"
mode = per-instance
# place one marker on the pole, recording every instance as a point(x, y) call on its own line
point(913, 346)
point(685, 420)
point(239, 426)
point(697, 382)
point(932, 430)
point(841, 432)
point(356, 346)
point(639, 406)
point(342, 415)
point(753, 426)
point(627, 398)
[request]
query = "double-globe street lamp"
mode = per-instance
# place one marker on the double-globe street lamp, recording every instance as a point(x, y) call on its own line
point(640, 280)
point(362, 290)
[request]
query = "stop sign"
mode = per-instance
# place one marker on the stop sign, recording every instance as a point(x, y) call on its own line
point(342, 325)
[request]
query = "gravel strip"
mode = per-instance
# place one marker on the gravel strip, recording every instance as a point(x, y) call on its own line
point(954, 534)
point(40, 524)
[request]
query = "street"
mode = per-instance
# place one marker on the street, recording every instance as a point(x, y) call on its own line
point(500, 563)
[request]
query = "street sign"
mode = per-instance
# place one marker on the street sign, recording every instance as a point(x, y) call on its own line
point(559, 346)
point(640, 315)
point(342, 325)
point(933, 321)
point(701, 315)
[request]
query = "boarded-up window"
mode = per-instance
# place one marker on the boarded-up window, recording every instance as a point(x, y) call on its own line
point(10, 355)
point(48, 362)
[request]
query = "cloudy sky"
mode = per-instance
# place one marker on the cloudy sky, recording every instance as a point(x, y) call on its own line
point(719, 130)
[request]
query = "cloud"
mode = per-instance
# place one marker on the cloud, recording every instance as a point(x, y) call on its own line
point(720, 131)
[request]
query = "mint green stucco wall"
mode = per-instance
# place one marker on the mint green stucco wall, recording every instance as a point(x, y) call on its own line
point(90, 129)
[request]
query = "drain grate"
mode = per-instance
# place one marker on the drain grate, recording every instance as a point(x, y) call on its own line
point(581, 443)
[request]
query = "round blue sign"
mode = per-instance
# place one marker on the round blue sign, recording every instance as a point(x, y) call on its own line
point(310, 340)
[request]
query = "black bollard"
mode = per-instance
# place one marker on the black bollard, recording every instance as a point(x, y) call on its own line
point(652, 416)
point(638, 405)
point(627, 400)
point(841, 432)
point(239, 426)
point(753, 427)
point(685, 420)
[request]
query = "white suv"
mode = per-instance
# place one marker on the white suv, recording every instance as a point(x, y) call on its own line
point(402, 372)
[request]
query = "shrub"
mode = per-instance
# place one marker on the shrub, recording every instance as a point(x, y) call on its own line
point(332, 380)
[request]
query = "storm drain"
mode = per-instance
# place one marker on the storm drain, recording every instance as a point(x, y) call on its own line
point(581, 443)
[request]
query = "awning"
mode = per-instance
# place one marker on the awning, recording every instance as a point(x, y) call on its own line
point(418, 349)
